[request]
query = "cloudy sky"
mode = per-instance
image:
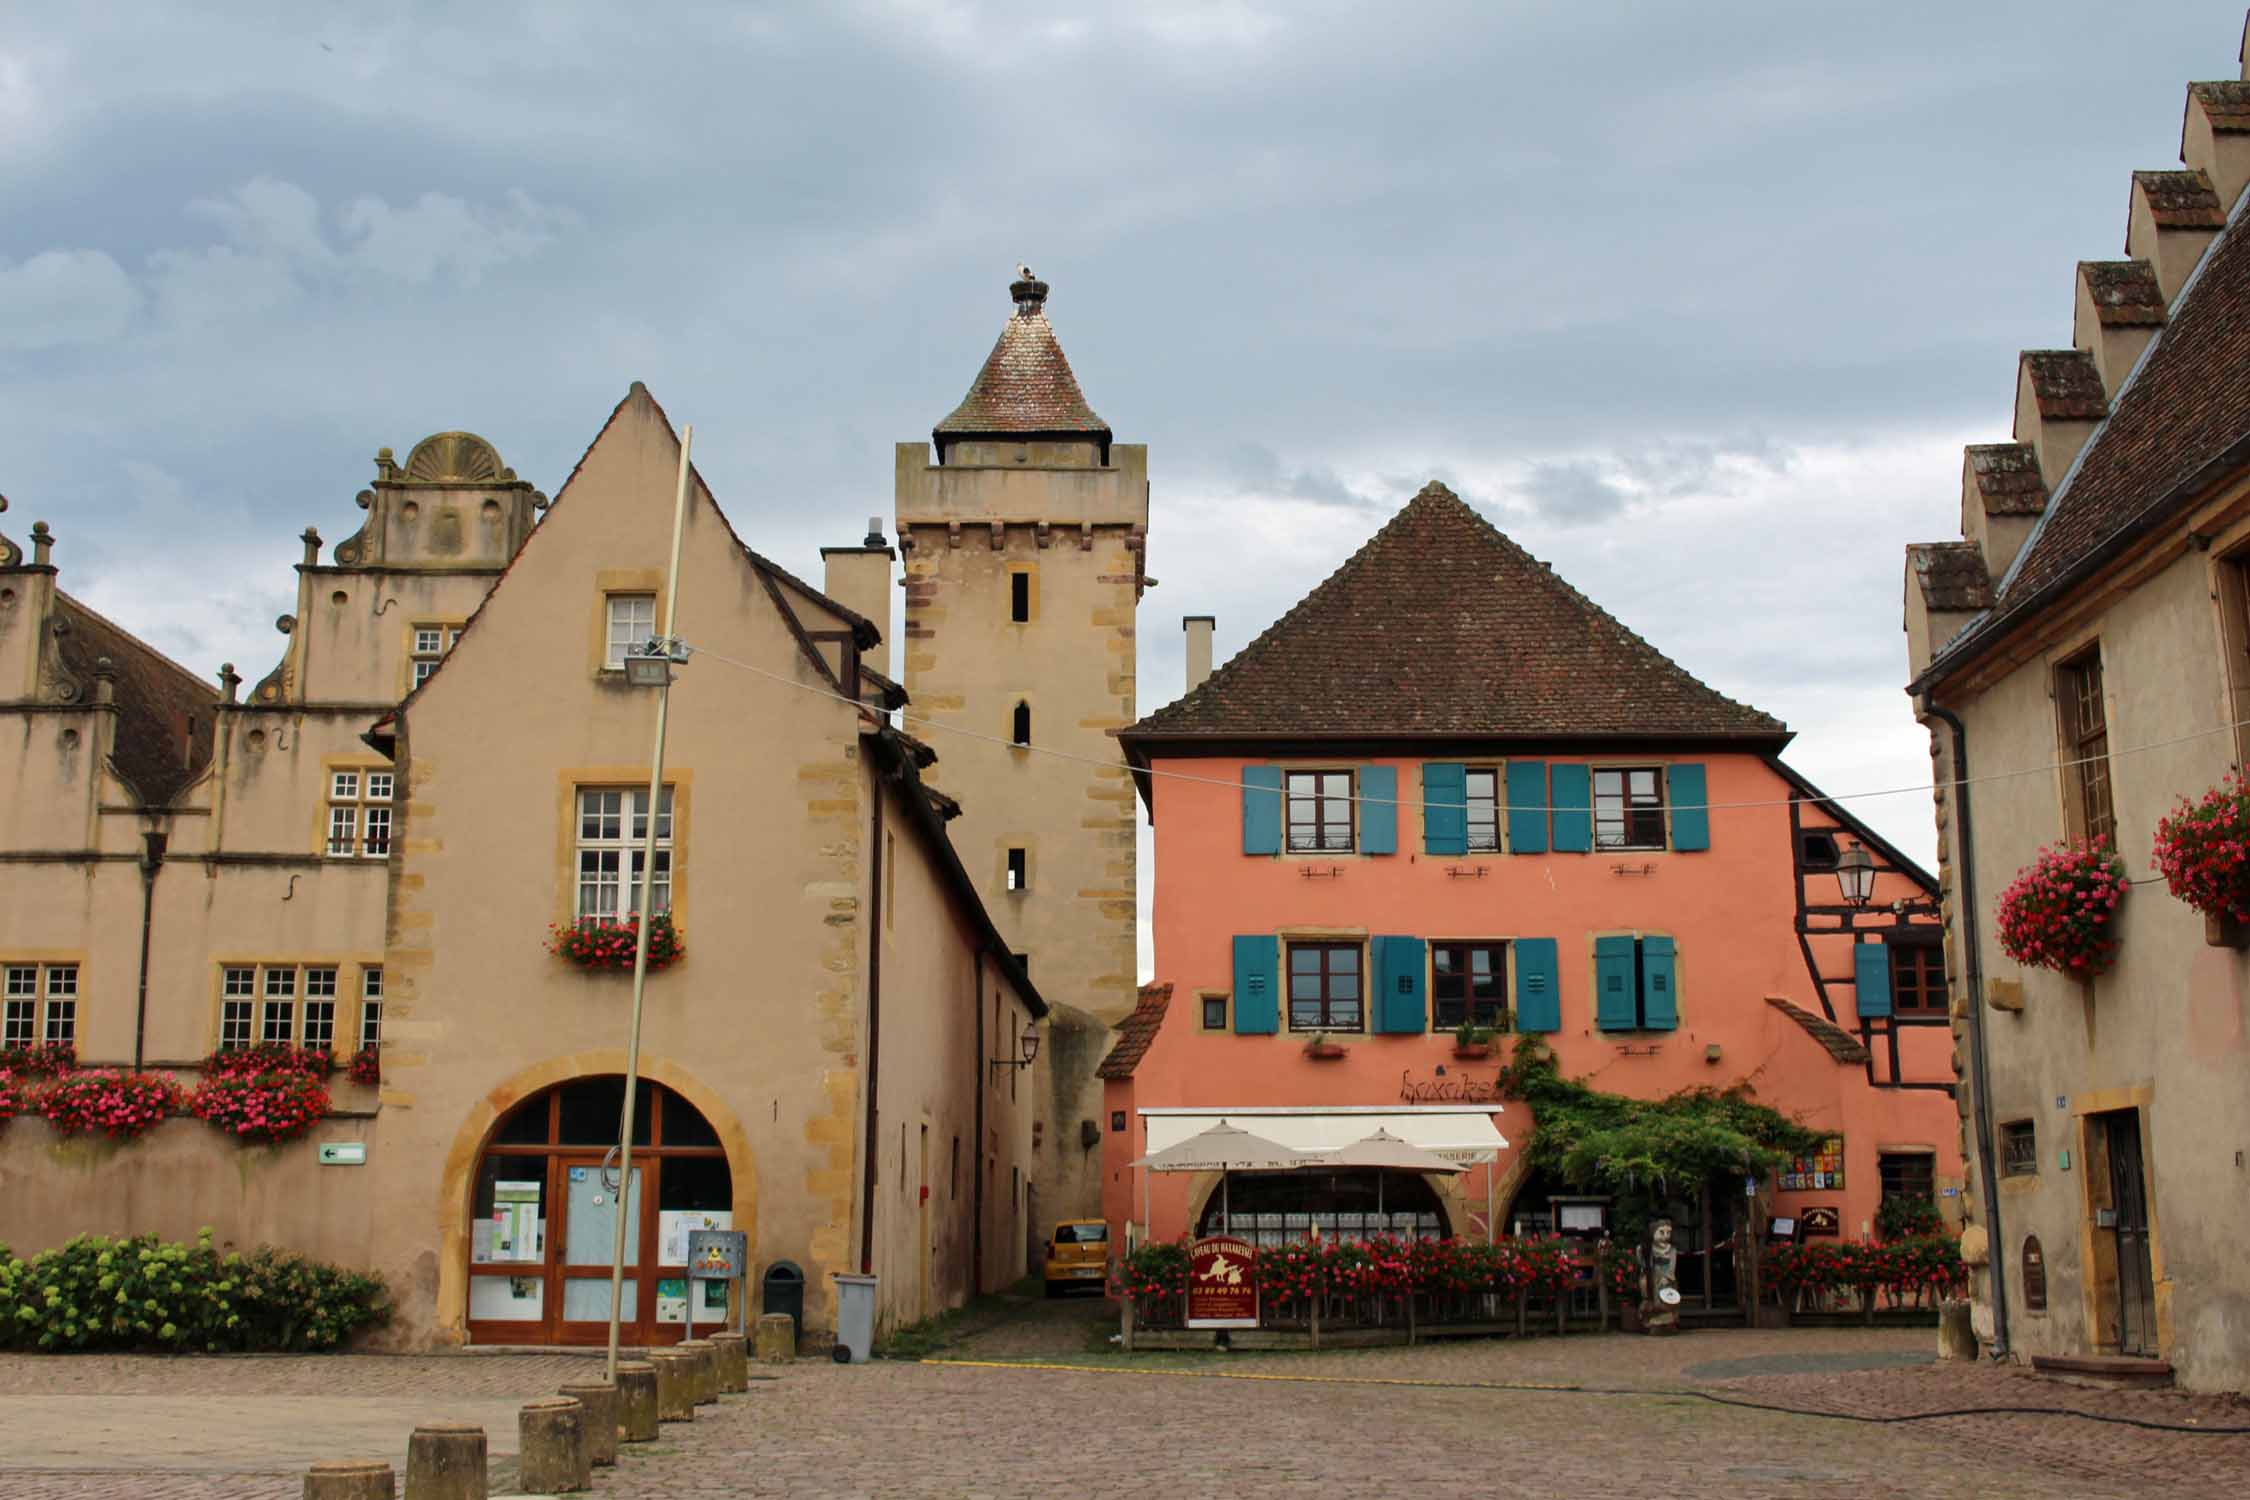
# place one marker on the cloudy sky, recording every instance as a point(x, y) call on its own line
point(1698, 302)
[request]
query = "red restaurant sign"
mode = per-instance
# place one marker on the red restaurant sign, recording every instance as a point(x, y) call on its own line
point(1222, 1287)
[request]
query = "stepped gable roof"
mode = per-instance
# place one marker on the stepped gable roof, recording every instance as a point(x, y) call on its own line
point(2226, 101)
point(1952, 574)
point(1841, 1044)
point(2066, 385)
point(1026, 388)
point(1442, 627)
point(2007, 476)
point(2182, 199)
point(2125, 292)
point(165, 712)
point(1136, 1032)
point(2184, 412)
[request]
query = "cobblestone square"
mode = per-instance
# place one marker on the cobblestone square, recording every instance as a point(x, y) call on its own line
point(1020, 1407)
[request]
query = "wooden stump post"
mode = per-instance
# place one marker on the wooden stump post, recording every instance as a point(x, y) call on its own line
point(733, 1352)
point(704, 1361)
point(675, 1385)
point(599, 1398)
point(776, 1339)
point(551, 1447)
point(350, 1479)
point(636, 1401)
point(445, 1461)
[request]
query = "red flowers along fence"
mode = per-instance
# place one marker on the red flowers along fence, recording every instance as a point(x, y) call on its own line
point(2060, 911)
point(1919, 1270)
point(608, 943)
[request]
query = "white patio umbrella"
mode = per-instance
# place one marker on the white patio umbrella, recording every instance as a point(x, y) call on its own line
point(1386, 1153)
point(1225, 1148)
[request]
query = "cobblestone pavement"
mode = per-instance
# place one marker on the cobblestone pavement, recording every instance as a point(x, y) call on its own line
point(1428, 1419)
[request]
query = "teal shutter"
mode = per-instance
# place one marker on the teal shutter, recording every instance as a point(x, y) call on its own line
point(1261, 809)
point(1538, 1001)
point(1616, 991)
point(1445, 807)
point(1871, 976)
point(1398, 984)
point(1527, 807)
point(1660, 985)
point(1572, 791)
point(1691, 811)
point(1378, 809)
point(1257, 1005)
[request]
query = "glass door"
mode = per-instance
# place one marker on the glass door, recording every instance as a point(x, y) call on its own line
point(589, 1221)
point(508, 1252)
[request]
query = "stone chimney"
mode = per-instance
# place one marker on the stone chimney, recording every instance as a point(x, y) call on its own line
point(1199, 628)
point(2119, 309)
point(859, 578)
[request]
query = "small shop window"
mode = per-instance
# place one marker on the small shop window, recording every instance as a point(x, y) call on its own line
point(1324, 987)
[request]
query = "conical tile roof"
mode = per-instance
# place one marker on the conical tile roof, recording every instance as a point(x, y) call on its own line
point(1442, 627)
point(1026, 388)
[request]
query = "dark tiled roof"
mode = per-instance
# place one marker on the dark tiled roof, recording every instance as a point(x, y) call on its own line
point(1026, 386)
point(2125, 292)
point(2182, 200)
point(2227, 102)
point(2066, 385)
point(1135, 1032)
point(1952, 575)
point(1840, 1043)
point(1440, 625)
point(2007, 477)
point(2188, 405)
point(165, 712)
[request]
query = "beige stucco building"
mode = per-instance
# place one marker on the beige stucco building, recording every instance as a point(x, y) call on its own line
point(2080, 659)
point(371, 847)
point(1024, 528)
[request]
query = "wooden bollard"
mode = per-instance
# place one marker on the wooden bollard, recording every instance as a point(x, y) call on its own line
point(599, 1398)
point(445, 1461)
point(351, 1479)
point(636, 1401)
point(704, 1361)
point(551, 1447)
point(776, 1338)
point(675, 1385)
point(734, 1361)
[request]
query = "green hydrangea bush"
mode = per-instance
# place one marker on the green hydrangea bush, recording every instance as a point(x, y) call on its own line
point(144, 1293)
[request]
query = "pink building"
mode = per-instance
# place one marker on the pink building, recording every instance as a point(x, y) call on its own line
point(1447, 793)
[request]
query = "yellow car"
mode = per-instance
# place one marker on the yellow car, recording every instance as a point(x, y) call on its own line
point(1078, 1255)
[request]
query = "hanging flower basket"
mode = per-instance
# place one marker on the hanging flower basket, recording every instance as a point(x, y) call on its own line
point(608, 943)
point(269, 1057)
point(2060, 912)
point(122, 1105)
point(262, 1106)
point(1322, 1049)
point(2203, 852)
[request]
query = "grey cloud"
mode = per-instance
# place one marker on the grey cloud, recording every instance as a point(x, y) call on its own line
point(1574, 494)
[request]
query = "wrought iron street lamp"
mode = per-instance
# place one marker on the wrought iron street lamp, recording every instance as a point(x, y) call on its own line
point(1855, 873)
point(1029, 1048)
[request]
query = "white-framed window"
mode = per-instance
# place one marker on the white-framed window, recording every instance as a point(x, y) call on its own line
point(370, 1008)
point(277, 1018)
point(316, 1024)
point(1482, 786)
point(39, 1005)
point(359, 814)
point(237, 997)
point(612, 828)
point(428, 648)
point(632, 622)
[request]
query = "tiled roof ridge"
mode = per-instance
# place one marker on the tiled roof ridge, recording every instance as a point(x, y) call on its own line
point(1840, 1044)
point(1952, 573)
point(1136, 1032)
point(2125, 293)
point(154, 654)
point(1432, 496)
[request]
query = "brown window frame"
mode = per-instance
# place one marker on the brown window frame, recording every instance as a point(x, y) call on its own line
point(1449, 1011)
point(1328, 806)
point(2231, 586)
point(2019, 1148)
point(2084, 721)
point(1214, 1008)
point(1923, 1171)
point(1334, 1011)
point(1918, 985)
point(1640, 824)
point(1484, 839)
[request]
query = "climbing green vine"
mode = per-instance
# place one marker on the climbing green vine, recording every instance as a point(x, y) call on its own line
point(1642, 1151)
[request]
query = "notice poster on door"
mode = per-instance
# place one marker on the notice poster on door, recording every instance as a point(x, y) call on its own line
point(673, 1227)
point(516, 1231)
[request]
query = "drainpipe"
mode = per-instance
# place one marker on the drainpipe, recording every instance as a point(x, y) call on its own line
point(1980, 1070)
point(976, 1156)
point(874, 1019)
point(152, 859)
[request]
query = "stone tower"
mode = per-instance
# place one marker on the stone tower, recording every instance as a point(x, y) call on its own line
point(1024, 537)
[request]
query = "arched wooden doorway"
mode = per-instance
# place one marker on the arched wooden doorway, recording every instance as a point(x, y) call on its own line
point(542, 1217)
